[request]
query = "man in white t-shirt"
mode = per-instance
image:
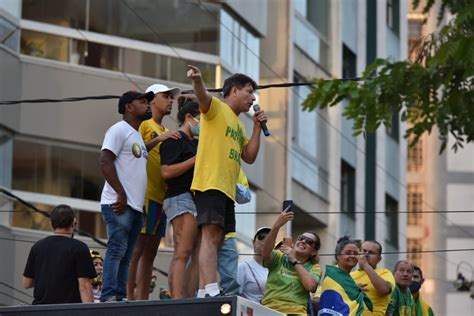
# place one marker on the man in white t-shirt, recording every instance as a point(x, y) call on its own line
point(123, 164)
point(252, 275)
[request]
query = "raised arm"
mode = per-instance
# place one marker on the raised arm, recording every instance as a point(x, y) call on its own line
point(282, 219)
point(199, 88)
point(381, 286)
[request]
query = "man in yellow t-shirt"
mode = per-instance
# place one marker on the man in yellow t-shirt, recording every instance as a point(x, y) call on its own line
point(153, 133)
point(222, 144)
point(378, 283)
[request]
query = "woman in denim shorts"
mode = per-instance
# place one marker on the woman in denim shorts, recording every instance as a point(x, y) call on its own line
point(177, 168)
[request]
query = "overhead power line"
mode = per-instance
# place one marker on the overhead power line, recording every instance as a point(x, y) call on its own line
point(321, 254)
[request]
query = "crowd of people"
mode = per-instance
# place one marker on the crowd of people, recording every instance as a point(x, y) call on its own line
point(191, 178)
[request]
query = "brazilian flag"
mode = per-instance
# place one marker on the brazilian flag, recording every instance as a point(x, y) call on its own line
point(341, 296)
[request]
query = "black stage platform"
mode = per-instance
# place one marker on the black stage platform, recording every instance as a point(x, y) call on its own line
point(232, 305)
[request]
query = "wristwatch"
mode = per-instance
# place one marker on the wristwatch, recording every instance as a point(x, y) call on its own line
point(294, 263)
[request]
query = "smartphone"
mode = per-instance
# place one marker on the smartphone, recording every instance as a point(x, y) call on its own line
point(288, 241)
point(287, 203)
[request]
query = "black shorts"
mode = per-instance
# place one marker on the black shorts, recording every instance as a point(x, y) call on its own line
point(214, 207)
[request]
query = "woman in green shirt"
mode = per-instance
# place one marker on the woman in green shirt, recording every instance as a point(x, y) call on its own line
point(293, 271)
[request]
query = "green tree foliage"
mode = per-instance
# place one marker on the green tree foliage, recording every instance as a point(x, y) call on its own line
point(435, 90)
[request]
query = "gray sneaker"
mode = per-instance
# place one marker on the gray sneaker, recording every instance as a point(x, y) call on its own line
point(111, 299)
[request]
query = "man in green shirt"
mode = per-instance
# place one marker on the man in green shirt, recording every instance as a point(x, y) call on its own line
point(402, 303)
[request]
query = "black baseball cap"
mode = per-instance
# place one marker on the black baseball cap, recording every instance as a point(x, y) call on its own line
point(129, 96)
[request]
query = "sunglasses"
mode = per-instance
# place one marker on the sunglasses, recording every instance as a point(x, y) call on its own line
point(307, 240)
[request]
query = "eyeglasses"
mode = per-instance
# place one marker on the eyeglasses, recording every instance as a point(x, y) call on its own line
point(307, 240)
point(370, 253)
point(350, 253)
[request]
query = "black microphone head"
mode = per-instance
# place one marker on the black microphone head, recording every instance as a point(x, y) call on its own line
point(256, 107)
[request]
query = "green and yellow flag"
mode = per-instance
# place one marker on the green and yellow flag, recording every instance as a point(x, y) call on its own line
point(341, 296)
point(421, 308)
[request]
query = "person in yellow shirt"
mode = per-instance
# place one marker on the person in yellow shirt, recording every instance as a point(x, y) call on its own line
point(222, 145)
point(421, 308)
point(377, 282)
point(153, 133)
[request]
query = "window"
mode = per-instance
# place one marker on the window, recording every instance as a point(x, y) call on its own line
point(415, 204)
point(389, 13)
point(114, 18)
point(90, 222)
point(109, 57)
point(347, 199)
point(306, 123)
point(63, 49)
point(394, 130)
point(239, 48)
point(310, 29)
point(414, 247)
point(415, 156)
point(393, 15)
point(8, 34)
point(301, 6)
point(391, 218)
point(347, 189)
point(318, 15)
point(349, 63)
point(56, 170)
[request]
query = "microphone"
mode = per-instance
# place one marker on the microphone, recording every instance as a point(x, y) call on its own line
point(265, 130)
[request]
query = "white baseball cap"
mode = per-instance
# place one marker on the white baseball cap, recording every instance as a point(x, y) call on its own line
point(157, 88)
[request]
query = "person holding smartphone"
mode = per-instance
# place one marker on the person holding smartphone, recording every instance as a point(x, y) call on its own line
point(293, 272)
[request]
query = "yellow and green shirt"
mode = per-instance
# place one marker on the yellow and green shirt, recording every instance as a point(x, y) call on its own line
point(284, 291)
point(379, 303)
point(221, 141)
point(156, 187)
